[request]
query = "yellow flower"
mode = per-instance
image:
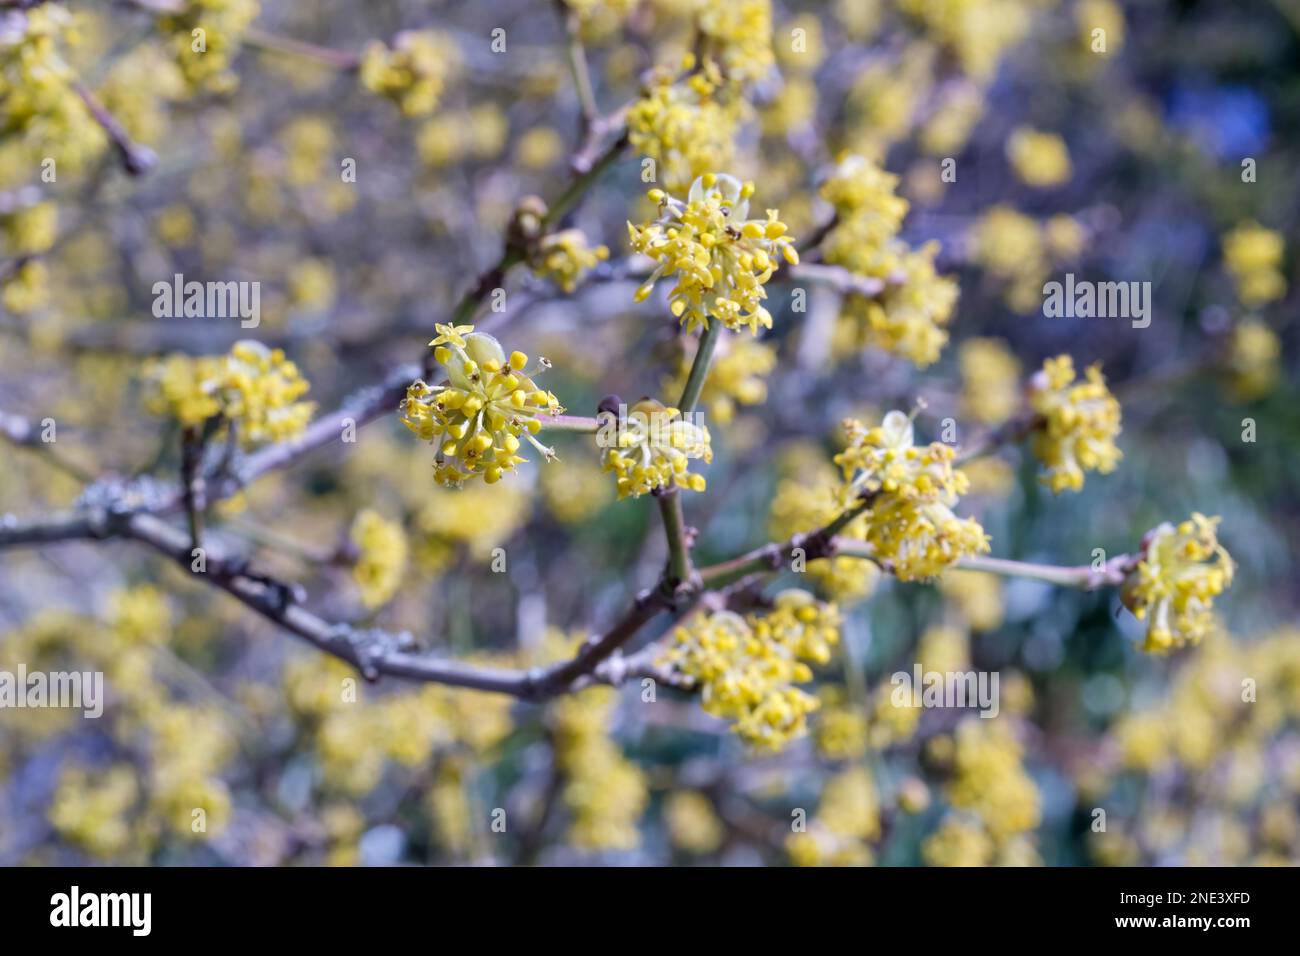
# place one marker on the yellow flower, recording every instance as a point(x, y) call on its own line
point(139, 615)
point(910, 492)
point(1039, 159)
point(381, 558)
point(808, 497)
point(223, 24)
point(958, 843)
point(412, 72)
point(1252, 255)
point(746, 667)
point(990, 376)
point(976, 596)
point(990, 781)
point(847, 820)
point(1104, 15)
point(1079, 422)
point(90, 810)
point(261, 389)
point(652, 447)
point(26, 288)
point(563, 257)
point(30, 230)
point(254, 387)
point(1252, 363)
point(1173, 587)
point(738, 33)
point(605, 791)
point(693, 825)
point(687, 127)
point(720, 259)
point(907, 317)
point(736, 377)
point(478, 416)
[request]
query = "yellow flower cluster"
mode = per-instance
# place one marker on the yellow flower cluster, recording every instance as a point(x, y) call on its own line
point(481, 412)
point(721, 260)
point(911, 492)
point(1181, 572)
point(990, 378)
point(598, 12)
point(909, 315)
point(1022, 251)
point(652, 447)
point(842, 731)
point(577, 492)
point(977, 31)
point(688, 126)
point(808, 497)
point(30, 229)
point(738, 34)
point(563, 257)
point(354, 736)
point(190, 747)
point(254, 387)
point(222, 24)
point(1104, 15)
point(412, 72)
point(1078, 424)
point(605, 792)
point(39, 104)
point(737, 377)
point(746, 667)
point(1252, 360)
point(692, 824)
point(975, 596)
point(989, 779)
point(1039, 159)
point(847, 821)
point(90, 810)
point(475, 518)
point(996, 802)
point(1253, 255)
point(908, 318)
point(381, 557)
point(26, 288)
point(1225, 729)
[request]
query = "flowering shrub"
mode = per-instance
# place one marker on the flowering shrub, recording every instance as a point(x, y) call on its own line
point(692, 588)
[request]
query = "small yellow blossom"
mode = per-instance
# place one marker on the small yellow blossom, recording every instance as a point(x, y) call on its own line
point(1252, 360)
point(746, 667)
point(990, 377)
point(605, 792)
point(254, 387)
point(1181, 571)
point(693, 825)
point(738, 33)
point(1039, 159)
point(910, 492)
point(1253, 255)
point(478, 416)
point(687, 126)
point(381, 557)
point(412, 72)
point(1079, 422)
point(30, 230)
point(847, 821)
point(651, 447)
point(737, 377)
point(261, 392)
point(721, 260)
point(563, 257)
